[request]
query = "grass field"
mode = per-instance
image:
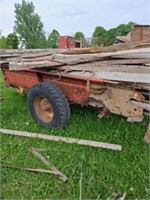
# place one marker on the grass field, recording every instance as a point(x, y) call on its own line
point(106, 174)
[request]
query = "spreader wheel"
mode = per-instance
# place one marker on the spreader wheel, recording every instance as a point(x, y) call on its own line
point(48, 105)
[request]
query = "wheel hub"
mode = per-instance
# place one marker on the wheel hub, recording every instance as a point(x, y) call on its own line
point(43, 109)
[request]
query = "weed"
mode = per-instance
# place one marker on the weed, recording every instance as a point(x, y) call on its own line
point(106, 174)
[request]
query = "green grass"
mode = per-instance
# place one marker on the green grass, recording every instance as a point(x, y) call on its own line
point(106, 174)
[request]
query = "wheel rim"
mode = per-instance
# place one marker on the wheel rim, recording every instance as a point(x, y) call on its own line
point(43, 109)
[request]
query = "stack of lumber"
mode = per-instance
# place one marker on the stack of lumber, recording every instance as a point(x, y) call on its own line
point(128, 62)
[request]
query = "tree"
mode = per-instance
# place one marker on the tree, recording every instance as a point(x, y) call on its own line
point(111, 36)
point(12, 41)
point(79, 35)
point(104, 37)
point(53, 39)
point(121, 30)
point(101, 34)
point(28, 26)
point(81, 39)
point(3, 42)
point(124, 29)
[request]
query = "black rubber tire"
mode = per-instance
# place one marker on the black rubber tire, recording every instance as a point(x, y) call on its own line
point(57, 100)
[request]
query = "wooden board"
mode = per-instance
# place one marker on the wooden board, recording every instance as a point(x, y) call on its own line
point(120, 62)
point(116, 76)
point(107, 68)
point(59, 59)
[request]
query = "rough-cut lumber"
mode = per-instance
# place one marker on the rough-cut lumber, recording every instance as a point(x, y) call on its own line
point(28, 65)
point(33, 55)
point(60, 60)
point(126, 61)
point(129, 63)
point(117, 76)
point(35, 59)
point(11, 55)
point(58, 54)
point(62, 139)
point(127, 77)
point(19, 52)
point(82, 58)
point(120, 76)
point(106, 67)
point(4, 61)
point(132, 55)
point(97, 63)
point(112, 48)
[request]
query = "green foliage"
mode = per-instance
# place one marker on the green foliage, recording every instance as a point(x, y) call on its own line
point(106, 174)
point(101, 36)
point(53, 39)
point(80, 38)
point(124, 29)
point(108, 37)
point(12, 41)
point(79, 35)
point(112, 34)
point(121, 30)
point(29, 26)
point(3, 42)
point(100, 32)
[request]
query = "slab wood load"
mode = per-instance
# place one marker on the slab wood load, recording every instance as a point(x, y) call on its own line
point(129, 62)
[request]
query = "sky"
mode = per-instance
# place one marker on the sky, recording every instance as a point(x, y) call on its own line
point(71, 16)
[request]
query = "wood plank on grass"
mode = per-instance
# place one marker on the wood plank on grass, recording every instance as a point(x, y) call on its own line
point(63, 139)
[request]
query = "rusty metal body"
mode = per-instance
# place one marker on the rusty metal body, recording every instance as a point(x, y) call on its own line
point(83, 90)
